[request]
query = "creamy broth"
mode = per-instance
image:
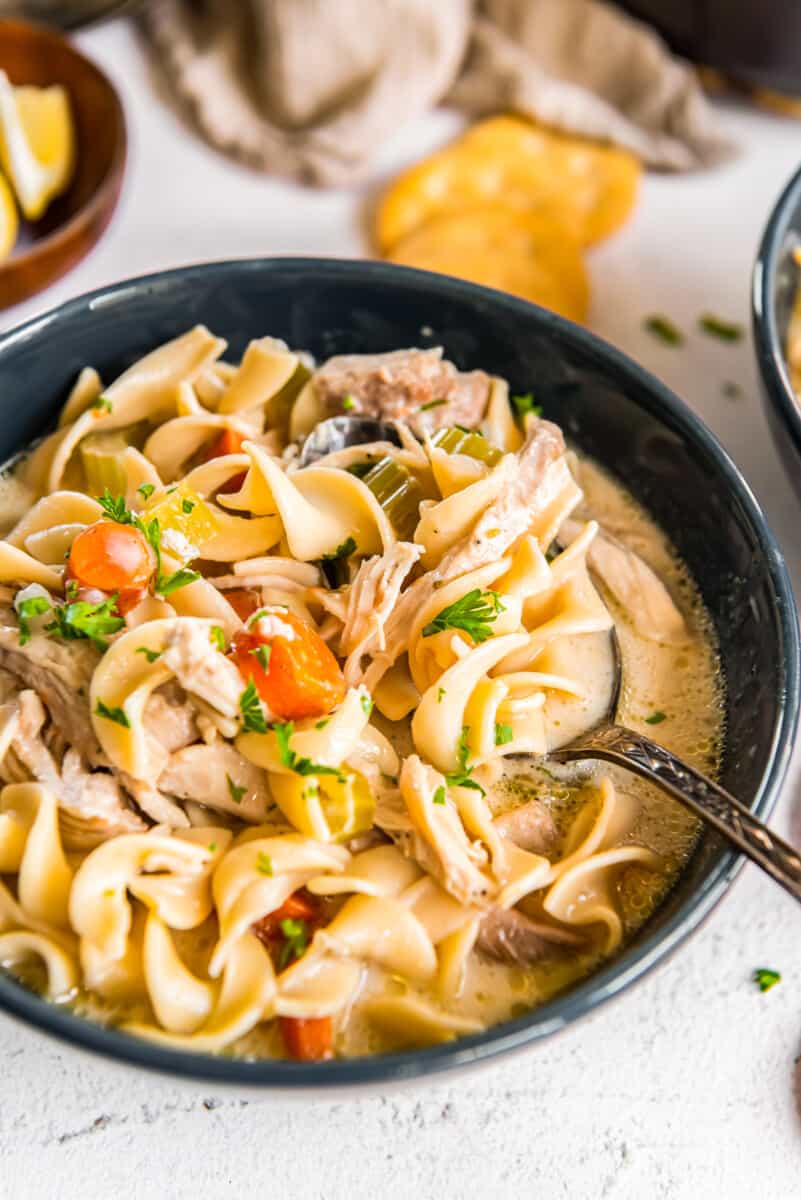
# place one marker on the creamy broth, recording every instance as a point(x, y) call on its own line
point(671, 690)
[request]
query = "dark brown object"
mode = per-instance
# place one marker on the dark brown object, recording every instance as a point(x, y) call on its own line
point(74, 221)
point(754, 43)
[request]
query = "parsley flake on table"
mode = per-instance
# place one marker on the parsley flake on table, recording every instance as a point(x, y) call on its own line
point(663, 328)
point(117, 715)
point(252, 713)
point(294, 762)
point(236, 792)
point(725, 331)
point(474, 613)
point(765, 978)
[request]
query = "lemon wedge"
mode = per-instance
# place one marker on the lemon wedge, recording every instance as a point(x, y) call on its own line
point(37, 143)
point(9, 221)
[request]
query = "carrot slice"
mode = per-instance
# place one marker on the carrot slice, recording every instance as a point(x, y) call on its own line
point(297, 675)
point(229, 442)
point(111, 557)
point(308, 1039)
point(244, 601)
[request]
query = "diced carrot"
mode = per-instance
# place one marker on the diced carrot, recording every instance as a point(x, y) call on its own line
point(308, 1039)
point(301, 679)
point(228, 442)
point(300, 906)
point(111, 557)
point(244, 601)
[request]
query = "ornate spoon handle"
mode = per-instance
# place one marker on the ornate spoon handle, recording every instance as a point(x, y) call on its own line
point(702, 796)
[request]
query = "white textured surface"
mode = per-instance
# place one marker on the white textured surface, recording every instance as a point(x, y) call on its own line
point(684, 1088)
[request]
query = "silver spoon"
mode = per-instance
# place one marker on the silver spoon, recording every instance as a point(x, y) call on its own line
point(338, 433)
point(708, 800)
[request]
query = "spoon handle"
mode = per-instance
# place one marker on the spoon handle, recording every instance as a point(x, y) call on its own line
point(701, 795)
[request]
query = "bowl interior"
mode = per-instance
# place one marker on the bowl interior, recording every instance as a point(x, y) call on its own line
point(31, 55)
point(607, 406)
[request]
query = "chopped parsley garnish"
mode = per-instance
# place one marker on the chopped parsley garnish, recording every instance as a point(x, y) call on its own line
point(34, 606)
point(187, 506)
point(117, 715)
point(212, 846)
point(765, 978)
point(322, 724)
point(524, 404)
point(297, 939)
point(150, 655)
point(167, 584)
point(264, 864)
point(367, 704)
point(116, 509)
point(439, 795)
point(462, 777)
point(473, 613)
point(440, 694)
point(656, 718)
point(503, 735)
point(263, 654)
point(344, 550)
point(432, 404)
point(252, 713)
point(146, 490)
point(236, 792)
point(291, 760)
point(664, 329)
point(217, 638)
point(80, 619)
point(726, 331)
point(72, 589)
point(348, 402)
point(102, 403)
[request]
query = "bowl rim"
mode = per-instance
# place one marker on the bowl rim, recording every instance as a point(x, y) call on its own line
point(103, 200)
point(768, 343)
point(618, 973)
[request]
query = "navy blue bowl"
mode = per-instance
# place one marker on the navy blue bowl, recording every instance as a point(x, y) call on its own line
point(777, 278)
point(608, 406)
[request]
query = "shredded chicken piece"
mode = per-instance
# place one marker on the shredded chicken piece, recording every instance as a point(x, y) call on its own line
point(372, 596)
point(154, 803)
point(528, 490)
point(439, 843)
point(635, 586)
point(60, 673)
point(91, 805)
point(511, 937)
point(170, 718)
point(399, 384)
point(202, 670)
point(221, 778)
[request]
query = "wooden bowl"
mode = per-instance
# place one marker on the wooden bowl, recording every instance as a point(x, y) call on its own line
point(74, 221)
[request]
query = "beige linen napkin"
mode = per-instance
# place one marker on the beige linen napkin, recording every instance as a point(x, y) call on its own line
point(312, 89)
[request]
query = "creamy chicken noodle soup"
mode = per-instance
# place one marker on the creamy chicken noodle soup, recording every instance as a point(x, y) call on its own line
point(274, 735)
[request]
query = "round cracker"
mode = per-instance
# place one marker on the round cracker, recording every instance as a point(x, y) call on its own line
point(589, 188)
point(527, 254)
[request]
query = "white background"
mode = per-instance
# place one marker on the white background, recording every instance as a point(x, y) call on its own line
point(687, 1087)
